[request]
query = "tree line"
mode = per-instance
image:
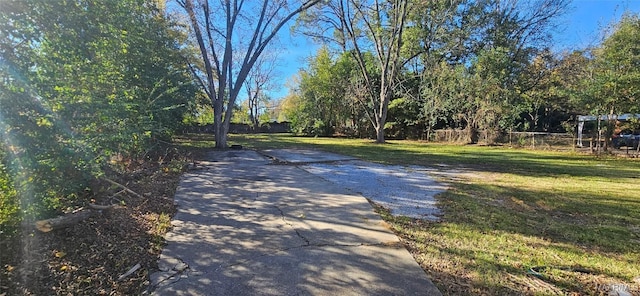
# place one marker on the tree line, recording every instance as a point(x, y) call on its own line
point(409, 67)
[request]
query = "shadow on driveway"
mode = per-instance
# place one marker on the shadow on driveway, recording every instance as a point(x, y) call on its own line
point(245, 227)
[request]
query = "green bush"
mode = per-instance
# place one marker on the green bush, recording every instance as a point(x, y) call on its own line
point(8, 200)
point(106, 82)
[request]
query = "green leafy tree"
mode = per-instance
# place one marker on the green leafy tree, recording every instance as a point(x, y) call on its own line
point(617, 71)
point(367, 29)
point(493, 41)
point(82, 82)
point(609, 81)
point(323, 101)
point(473, 98)
point(9, 204)
point(242, 114)
point(440, 93)
point(543, 90)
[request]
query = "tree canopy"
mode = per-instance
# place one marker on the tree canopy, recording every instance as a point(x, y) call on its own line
point(459, 64)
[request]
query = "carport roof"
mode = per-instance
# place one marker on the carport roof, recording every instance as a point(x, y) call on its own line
point(608, 117)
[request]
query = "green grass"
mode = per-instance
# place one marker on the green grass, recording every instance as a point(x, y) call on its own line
point(573, 218)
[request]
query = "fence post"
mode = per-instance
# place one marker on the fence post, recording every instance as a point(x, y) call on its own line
point(533, 140)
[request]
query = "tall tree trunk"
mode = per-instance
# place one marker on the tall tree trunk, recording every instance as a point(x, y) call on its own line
point(218, 125)
point(380, 134)
point(472, 134)
point(221, 142)
point(381, 115)
point(254, 116)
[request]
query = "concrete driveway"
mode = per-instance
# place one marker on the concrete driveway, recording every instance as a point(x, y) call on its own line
point(404, 190)
point(246, 226)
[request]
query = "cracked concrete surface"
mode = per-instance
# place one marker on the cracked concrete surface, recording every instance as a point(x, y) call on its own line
point(245, 227)
point(404, 190)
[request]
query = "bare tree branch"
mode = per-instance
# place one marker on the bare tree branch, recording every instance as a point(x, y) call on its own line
point(225, 73)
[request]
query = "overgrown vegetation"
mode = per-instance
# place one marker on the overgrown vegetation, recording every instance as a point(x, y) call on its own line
point(515, 221)
point(9, 209)
point(85, 98)
point(323, 104)
point(90, 91)
point(88, 258)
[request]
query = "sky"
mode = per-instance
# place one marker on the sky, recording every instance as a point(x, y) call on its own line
point(582, 26)
point(586, 21)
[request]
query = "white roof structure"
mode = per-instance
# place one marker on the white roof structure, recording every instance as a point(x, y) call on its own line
point(583, 118)
point(621, 117)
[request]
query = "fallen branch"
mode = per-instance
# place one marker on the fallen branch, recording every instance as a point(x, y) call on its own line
point(63, 221)
point(125, 188)
point(129, 272)
point(102, 207)
point(71, 218)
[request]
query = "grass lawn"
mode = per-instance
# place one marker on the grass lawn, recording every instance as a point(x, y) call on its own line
point(517, 221)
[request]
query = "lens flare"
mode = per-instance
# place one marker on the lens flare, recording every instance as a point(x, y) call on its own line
point(19, 106)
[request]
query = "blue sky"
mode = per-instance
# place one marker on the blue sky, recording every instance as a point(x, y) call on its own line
point(582, 26)
point(586, 20)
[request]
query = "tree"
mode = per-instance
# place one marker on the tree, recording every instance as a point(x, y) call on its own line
point(272, 111)
point(367, 27)
point(438, 36)
point(9, 208)
point(618, 68)
point(520, 25)
point(259, 80)
point(231, 36)
point(519, 31)
point(106, 79)
point(441, 30)
point(487, 44)
point(440, 93)
point(489, 92)
point(612, 85)
point(576, 74)
point(323, 92)
point(543, 89)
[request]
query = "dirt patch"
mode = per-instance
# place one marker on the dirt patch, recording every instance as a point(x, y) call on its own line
point(88, 258)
